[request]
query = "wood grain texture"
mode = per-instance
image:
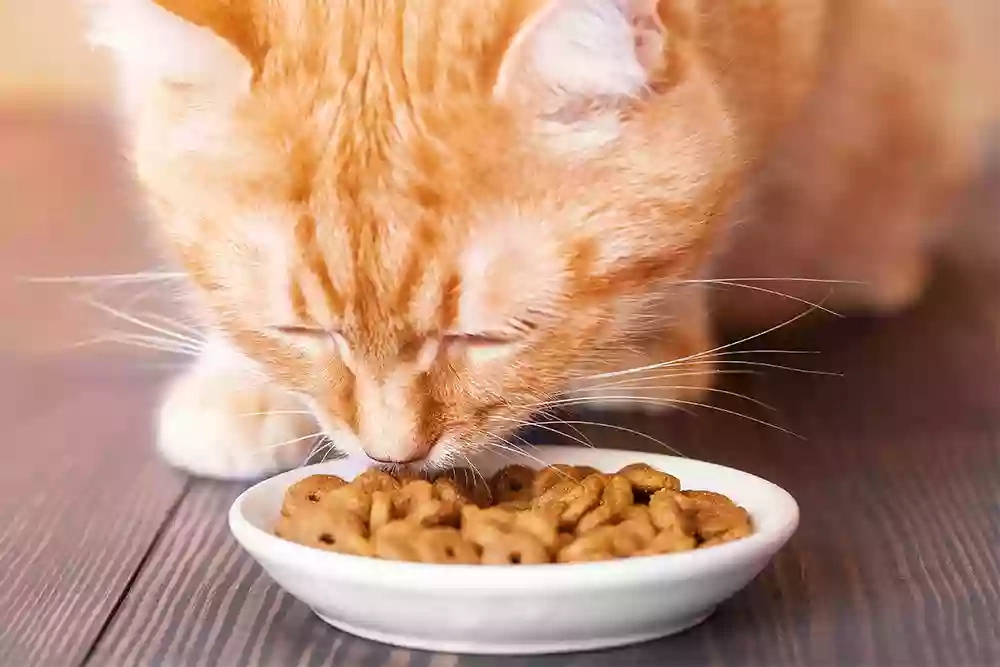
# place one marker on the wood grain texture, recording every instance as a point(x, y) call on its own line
point(82, 494)
point(82, 499)
point(895, 562)
point(69, 209)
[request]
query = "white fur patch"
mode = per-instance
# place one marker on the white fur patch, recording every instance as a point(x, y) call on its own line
point(582, 137)
point(223, 419)
point(486, 354)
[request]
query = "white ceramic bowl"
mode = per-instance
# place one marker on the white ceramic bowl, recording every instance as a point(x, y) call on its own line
point(522, 609)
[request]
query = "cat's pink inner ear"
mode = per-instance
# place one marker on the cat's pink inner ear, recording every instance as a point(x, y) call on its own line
point(573, 50)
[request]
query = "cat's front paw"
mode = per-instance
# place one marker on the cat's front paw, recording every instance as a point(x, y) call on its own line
point(227, 423)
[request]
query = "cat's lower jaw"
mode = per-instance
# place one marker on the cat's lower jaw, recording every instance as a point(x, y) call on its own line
point(220, 419)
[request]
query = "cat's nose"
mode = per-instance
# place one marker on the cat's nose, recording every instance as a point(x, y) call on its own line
point(413, 453)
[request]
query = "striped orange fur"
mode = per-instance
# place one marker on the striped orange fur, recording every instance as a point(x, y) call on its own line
point(426, 217)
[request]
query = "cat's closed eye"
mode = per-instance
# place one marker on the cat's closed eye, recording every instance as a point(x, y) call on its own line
point(478, 339)
point(315, 338)
point(303, 330)
point(482, 347)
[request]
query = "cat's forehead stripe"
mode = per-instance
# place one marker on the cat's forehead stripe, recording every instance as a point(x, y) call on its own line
point(297, 298)
point(315, 263)
point(427, 236)
point(430, 409)
point(450, 297)
point(348, 404)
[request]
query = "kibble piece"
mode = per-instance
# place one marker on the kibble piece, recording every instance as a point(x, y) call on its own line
point(561, 514)
point(512, 484)
point(515, 548)
point(313, 527)
point(647, 480)
point(309, 491)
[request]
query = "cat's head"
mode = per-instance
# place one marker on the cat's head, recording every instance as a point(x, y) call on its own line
point(424, 216)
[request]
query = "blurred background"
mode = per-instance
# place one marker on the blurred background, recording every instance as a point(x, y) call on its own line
point(909, 414)
point(67, 205)
point(44, 59)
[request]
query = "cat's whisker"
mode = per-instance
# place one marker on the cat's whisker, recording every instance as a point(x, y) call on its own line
point(275, 412)
point(757, 288)
point(522, 440)
point(466, 470)
point(558, 421)
point(140, 296)
point(822, 281)
point(551, 415)
point(541, 463)
point(700, 355)
point(781, 367)
point(109, 278)
point(168, 365)
point(627, 382)
point(170, 321)
point(323, 444)
point(328, 449)
point(171, 343)
point(122, 315)
point(713, 390)
point(630, 430)
point(673, 402)
point(316, 448)
point(686, 372)
point(514, 449)
point(570, 402)
point(502, 450)
point(544, 427)
point(756, 364)
point(739, 352)
point(489, 442)
point(145, 342)
point(294, 440)
point(476, 471)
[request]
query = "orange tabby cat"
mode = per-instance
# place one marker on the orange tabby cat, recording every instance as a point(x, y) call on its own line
point(421, 218)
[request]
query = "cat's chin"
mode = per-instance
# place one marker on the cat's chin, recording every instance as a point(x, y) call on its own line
point(221, 420)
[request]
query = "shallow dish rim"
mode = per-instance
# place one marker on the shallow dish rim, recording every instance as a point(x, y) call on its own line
point(511, 579)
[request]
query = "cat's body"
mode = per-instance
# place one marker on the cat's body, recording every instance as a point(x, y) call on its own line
point(425, 218)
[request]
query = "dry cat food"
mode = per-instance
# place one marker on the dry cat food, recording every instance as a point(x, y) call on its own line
point(560, 514)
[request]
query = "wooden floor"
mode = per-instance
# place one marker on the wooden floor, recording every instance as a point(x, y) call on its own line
point(109, 559)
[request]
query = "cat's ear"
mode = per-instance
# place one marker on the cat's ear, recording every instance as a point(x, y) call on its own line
point(575, 53)
point(197, 44)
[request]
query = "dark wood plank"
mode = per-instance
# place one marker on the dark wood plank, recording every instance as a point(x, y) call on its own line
point(895, 562)
point(82, 498)
point(82, 495)
point(201, 601)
